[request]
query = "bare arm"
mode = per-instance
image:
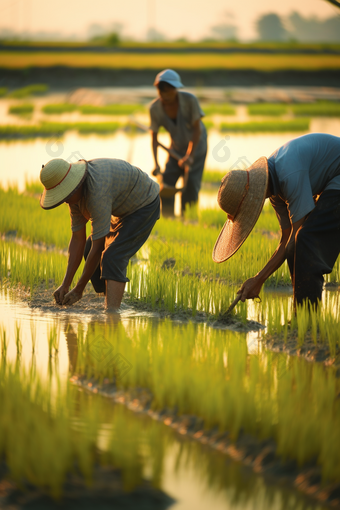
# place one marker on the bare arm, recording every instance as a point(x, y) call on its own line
point(189, 157)
point(154, 148)
point(91, 264)
point(75, 254)
point(252, 287)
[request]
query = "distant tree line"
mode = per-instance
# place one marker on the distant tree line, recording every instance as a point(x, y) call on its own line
point(271, 27)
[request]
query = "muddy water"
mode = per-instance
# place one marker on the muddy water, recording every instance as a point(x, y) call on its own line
point(195, 476)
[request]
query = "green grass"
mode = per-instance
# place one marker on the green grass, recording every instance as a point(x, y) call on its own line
point(3, 91)
point(112, 109)
point(277, 126)
point(319, 109)
point(213, 176)
point(49, 432)
point(210, 375)
point(59, 108)
point(272, 109)
point(218, 108)
point(21, 109)
point(46, 129)
point(31, 90)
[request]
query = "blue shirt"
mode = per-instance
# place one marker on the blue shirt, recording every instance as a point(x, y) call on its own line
point(301, 169)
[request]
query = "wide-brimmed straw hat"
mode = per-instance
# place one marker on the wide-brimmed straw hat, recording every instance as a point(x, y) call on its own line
point(241, 195)
point(60, 179)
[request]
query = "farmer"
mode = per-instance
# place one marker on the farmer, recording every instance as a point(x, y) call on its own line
point(180, 114)
point(123, 205)
point(292, 178)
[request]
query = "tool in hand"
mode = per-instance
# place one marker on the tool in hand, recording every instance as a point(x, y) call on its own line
point(257, 299)
point(166, 191)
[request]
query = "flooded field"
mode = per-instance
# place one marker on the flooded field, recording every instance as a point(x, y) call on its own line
point(177, 404)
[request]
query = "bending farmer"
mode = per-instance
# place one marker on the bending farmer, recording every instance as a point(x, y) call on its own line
point(302, 181)
point(180, 114)
point(123, 205)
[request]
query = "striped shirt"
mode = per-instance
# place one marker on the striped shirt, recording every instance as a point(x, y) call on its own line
point(113, 187)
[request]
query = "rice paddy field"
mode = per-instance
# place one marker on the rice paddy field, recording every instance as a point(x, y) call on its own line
point(169, 404)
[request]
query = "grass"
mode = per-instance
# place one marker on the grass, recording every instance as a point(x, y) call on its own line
point(60, 433)
point(58, 108)
point(46, 129)
point(213, 176)
point(111, 109)
point(272, 109)
point(21, 109)
point(210, 375)
point(319, 109)
point(3, 91)
point(204, 62)
point(31, 90)
point(219, 108)
point(277, 126)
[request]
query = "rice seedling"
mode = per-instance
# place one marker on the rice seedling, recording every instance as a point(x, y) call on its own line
point(213, 176)
point(211, 376)
point(21, 109)
point(18, 341)
point(56, 128)
point(112, 109)
point(4, 341)
point(58, 108)
point(30, 90)
point(3, 91)
point(62, 431)
point(33, 335)
point(218, 108)
point(277, 126)
point(270, 109)
point(53, 338)
point(318, 109)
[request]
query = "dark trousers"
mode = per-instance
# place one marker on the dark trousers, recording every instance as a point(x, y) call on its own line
point(127, 235)
point(171, 175)
point(316, 249)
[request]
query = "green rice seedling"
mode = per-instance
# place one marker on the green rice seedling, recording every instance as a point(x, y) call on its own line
point(277, 126)
point(209, 124)
point(33, 187)
point(97, 127)
point(58, 108)
point(21, 109)
point(219, 109)
point(211, 376)
point(4, 341)
point(33, 334)
point(213, 176)
point(3, 91)
point(112, 109)
point(270, 109)
point(18, 341)
point(30, 90)
point(318, 109)
point(61, 430)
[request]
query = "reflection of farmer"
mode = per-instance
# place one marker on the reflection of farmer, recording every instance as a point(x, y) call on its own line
point(310, 232)
point(121, 202)
point(180, 114)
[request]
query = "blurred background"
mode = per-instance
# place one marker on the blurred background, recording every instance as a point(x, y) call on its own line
point(72, 76)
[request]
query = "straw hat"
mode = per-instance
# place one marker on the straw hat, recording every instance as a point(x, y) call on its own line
point(60, 179)
point(241, 195)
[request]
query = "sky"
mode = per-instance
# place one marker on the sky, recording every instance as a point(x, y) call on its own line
point(176, 18)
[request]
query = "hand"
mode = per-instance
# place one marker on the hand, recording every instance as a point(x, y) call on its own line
point(60, 293)
point(156, 171)
point(187, 160)
point(250, 289)
point(72, 297)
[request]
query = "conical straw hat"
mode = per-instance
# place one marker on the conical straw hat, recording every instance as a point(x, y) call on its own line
point(60, 179)
point(241, 195)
